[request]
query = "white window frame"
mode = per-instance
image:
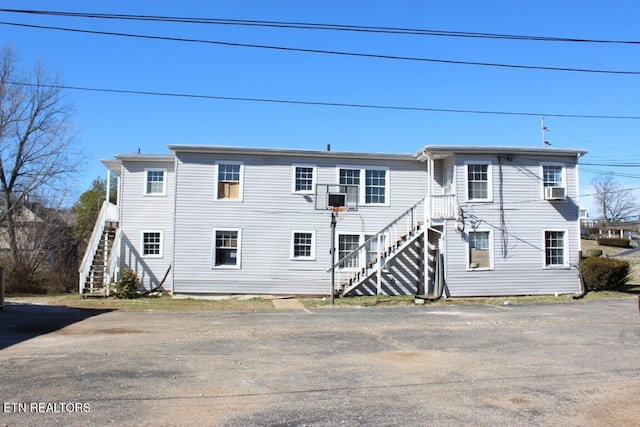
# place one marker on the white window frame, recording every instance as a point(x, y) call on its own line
point(238, 264)
point(489, 165)
point(563, 176)
point(362, 186)
point(491, 250)
point(241, 177)
point(312, 256)
point(294, 178)
point(160, 253)
point(146, 182)
point(565, 254)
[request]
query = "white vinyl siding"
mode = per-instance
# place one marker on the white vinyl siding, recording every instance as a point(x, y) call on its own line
point(479, 182)
point(229, 181)
point(303, 245)
point(226, 248)
point(155, 182)
point(375, 191)
point(304, 179)
point(151, 244)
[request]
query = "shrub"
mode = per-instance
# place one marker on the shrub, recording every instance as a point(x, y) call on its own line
point(617, 242)
point(594, 252)
point(127, 286)
point(601, 274)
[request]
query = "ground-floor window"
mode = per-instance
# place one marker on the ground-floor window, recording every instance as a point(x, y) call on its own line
point(554, 249)
point(303, 245)
point(226, 248)
point(479, 249)
point(151, 244)
point(347, 243)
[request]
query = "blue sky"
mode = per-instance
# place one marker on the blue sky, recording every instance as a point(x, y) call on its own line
point(110, 124)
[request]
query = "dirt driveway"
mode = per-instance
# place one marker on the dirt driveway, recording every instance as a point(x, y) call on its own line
point(574, 364)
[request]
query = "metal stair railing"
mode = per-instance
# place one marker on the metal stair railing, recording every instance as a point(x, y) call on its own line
point(354, 268)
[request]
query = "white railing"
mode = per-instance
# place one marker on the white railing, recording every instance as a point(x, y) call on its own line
point(370, 256)
point(112, 269)
point(443, 207)
point(108, 212)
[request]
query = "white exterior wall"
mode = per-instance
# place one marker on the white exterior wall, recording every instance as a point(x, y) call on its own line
point(518, 253)
point(266, 216)
point(139, 213)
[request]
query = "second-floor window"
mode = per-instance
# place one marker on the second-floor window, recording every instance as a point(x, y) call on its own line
point(376, 184)
point(154, 182)
point(229, 181)
point(304, 179)
point(552, 175)
point(479, 182)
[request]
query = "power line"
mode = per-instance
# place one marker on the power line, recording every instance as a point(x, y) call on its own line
point(324, 104)
point(318, 26)
point(326, 52)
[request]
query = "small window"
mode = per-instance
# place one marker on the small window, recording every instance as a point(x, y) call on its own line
point(155, 182)
point(303, 245)
point(152, 244)
point(554, 249)
point(303, 179)
point(479, 182)
point(229, 181)
point(552, 175)
point(479, 249)
point(226, 248)
point(347, 243)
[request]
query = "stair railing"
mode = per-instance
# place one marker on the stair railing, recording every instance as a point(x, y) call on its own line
point(113, 261)
point(355, 264)
point(107, 211)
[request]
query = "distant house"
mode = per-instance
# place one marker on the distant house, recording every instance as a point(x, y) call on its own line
point(456, 220)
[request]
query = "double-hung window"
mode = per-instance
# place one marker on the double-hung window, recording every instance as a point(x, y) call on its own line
point(347, 243)
point(229, 180)
point(303, 245)
point(376, 183)
point(226, 248)
point(555, 245)
point(304, 179)
point(479, 182)
point(479, 249)
point(151, 243)
point(155, 182)
point(553, 175)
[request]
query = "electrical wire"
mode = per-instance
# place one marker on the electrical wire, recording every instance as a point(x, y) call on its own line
point(326, 52)
point(318, 26)
point(323, 104)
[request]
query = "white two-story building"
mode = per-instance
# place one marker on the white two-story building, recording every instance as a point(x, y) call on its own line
point(451, 220)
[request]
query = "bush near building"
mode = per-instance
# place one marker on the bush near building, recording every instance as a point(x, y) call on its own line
point(617, 242)
point(600, 274)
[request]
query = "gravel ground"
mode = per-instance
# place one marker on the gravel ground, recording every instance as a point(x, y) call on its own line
point(573, 364)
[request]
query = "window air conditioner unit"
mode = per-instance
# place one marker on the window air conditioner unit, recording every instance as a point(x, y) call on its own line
point(555, 193)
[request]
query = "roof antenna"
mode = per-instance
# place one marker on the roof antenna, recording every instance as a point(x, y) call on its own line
point(545, 129)
point(328, 147)
point(138, 151)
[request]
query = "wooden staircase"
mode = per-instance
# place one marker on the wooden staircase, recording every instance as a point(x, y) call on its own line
point(353, 270)
point(96, 283)
point(98, 265)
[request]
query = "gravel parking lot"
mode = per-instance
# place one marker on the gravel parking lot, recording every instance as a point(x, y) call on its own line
point(574, 364)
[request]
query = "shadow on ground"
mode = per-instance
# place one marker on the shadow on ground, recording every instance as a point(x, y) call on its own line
point(21, 322)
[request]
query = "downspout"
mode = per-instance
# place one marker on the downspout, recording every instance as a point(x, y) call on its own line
point(173, 231)
point(583, 288)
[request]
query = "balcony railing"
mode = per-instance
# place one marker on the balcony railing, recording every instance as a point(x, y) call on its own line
point(443, 207)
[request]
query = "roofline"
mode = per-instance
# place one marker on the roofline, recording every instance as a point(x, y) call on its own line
point(115, 164)
point(435, 150)
point(279, 152)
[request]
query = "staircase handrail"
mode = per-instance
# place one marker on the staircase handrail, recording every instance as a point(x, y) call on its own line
point(113, 258)
point(375, 236)
point(94, 242)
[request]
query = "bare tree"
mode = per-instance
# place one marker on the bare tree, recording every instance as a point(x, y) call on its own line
point(616, 203)
point(37, 154)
